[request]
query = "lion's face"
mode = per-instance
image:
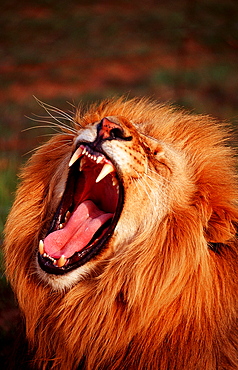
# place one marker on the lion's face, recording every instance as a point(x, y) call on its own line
point(115, 188)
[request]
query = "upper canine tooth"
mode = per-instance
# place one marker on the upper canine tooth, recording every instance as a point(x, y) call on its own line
point(75, 156)
point(41, 246)
point(107, 168)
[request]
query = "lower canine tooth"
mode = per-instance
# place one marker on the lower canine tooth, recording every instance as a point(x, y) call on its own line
point(67, 216)
point(41, 246)
point(82, 162)
point(107, 168)
point(114, 181)
point(61, 261)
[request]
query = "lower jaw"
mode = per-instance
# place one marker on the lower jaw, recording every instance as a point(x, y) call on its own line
point(79, 259)
point(66, 281)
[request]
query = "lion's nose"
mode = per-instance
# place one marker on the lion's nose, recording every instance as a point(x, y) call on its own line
point(108, 130)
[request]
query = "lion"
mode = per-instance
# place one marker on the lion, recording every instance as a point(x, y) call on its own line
point(121, 244)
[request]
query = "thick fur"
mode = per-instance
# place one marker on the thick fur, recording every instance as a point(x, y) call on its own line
point(163, 293)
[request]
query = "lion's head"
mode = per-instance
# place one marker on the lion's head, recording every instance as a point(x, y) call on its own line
point(129, 214)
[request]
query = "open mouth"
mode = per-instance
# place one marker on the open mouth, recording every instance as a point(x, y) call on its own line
point(87, 215)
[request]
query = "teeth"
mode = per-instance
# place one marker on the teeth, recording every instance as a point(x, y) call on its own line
point(114, 181)
point(61, 261)
point(82, 162)
point(75, 156)
point(67, 216)
point(45, 255)
point(61, 226)
point(107, 168)
point(41, 246)
point(99, 159)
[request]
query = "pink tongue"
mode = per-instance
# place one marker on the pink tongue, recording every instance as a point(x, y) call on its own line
point(78, 231)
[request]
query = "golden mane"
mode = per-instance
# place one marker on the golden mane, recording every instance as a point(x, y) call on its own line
point(167, 299)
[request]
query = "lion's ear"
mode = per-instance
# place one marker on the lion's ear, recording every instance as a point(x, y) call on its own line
point(222, 226)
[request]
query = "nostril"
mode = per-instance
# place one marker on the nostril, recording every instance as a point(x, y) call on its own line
point(109, 130)
point(117, 133)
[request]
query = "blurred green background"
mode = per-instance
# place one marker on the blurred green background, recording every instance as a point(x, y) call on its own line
point(66, 52)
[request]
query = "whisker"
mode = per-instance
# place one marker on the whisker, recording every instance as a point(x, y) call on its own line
point(53, 109)
point(48, 151)
point(43, 126)
point(157, 174)
point(52, 125)
point(73, 112)
point(157, 181)
point(48, 108)
point(144, 185)
point(58, 117)
point(154, 194)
